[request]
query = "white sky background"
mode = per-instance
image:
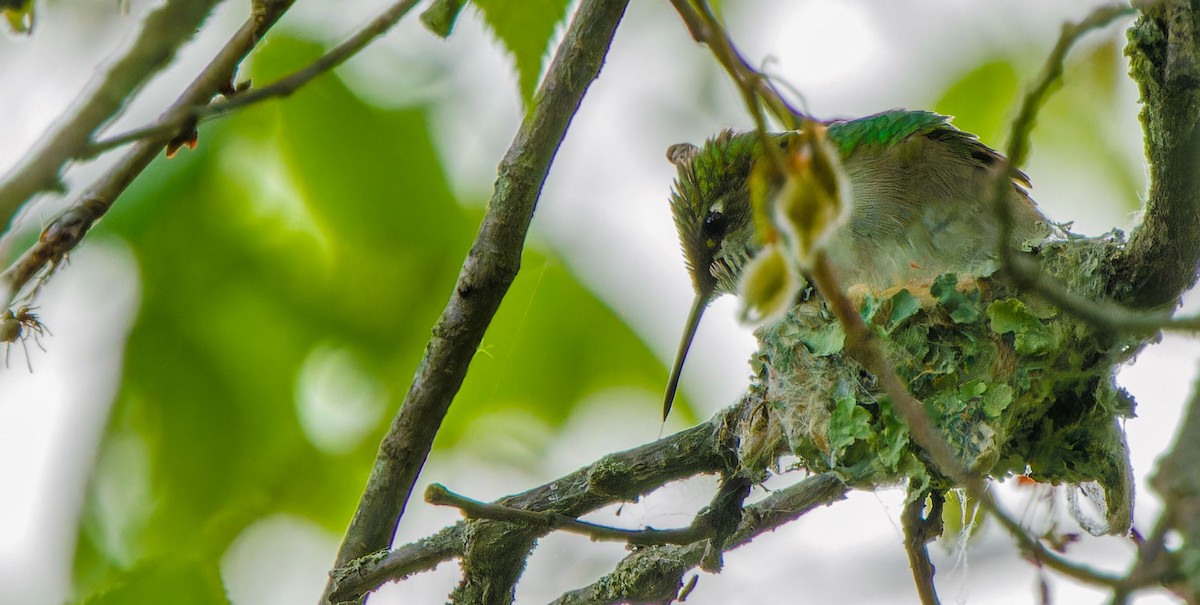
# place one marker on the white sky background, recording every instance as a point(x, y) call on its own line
point(604, 211)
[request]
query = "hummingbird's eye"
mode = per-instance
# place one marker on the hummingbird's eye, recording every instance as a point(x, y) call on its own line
point(714, 226)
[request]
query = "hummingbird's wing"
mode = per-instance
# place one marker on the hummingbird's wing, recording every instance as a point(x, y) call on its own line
point(893, 126)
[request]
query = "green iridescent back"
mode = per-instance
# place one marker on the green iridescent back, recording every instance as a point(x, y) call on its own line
point(883, 129)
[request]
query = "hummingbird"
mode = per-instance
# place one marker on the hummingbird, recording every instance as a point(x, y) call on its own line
point(920, 192)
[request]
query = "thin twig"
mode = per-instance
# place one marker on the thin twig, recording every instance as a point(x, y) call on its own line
point(163, 31)
point(1102, 314)
point(1028, 275)
point(280, 88)
point(1178, 483)
point(474, 509)
point(68, 228)
point(620, 477)
point(863, 346)
point(919, 529)
point(1153, 562)
point(655, 574)
point(1034, 549)
point(753, 86)
point(1052, 71)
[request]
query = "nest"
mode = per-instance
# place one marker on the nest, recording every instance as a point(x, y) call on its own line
point(1013, 385)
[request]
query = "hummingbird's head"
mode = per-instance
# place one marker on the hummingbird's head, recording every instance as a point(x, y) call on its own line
point(711, 205)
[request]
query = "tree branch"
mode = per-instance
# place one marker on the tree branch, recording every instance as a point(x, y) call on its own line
point(919, 529)
point(437, 494)
point(68, 228)
point(1163, 254)
point(489, 269)
point(655, 574)
point(1105, 315)
point(164, 30)
point(1034, 549)
point(624, 476)
point(1178, 483)
point(280, 88)
point(487, 272)
point(1154, 564)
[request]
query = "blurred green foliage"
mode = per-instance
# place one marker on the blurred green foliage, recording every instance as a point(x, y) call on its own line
point(315, 224)
point(19, 15)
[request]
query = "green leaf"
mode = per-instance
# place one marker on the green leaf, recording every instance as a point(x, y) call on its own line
point(904, 305)
point(894, 438)
point(965, 314)
point(981, 99)
point(973, 389)
point(961, 306)
point(174, 579)
point(1030, 335)
point(848, 423)
point(19, 14)
point(996, 400)
point(525, 27)
point(870, 306)
point(826, 341)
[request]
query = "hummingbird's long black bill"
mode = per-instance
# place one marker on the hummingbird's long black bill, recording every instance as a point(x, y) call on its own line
point(689, 332)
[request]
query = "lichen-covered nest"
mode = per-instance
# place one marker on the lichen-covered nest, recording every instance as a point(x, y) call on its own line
point(1014, 385)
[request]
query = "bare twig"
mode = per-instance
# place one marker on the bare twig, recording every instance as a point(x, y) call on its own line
point(655, 574)
point(919, 529)
point(1178, 483)
point(755, 88)
point(280, 88)
point(164, 30)
point(619, 477)
point(1154, 562)
point(862, 345)
point(1052, 71)
point(1034, 549)
point(474, 509)
point(1105, 315)
point(67, 229)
